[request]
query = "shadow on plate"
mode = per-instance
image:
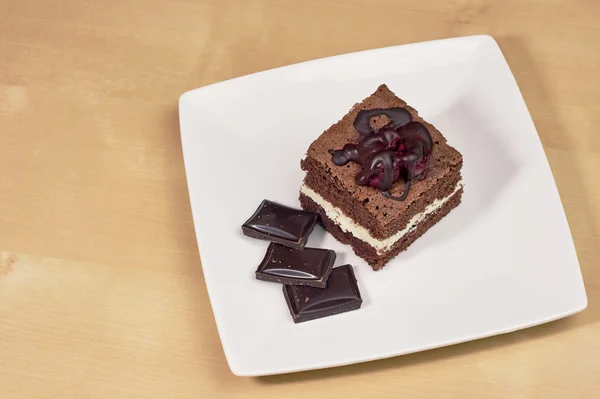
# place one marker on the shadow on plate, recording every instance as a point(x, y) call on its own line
point(488, 168)
point(461, 350)
point(566, 168)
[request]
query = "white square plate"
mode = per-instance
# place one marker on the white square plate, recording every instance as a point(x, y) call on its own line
point(502, 261)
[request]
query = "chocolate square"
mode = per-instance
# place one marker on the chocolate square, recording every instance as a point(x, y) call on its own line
point(340, 295)
point(281, 224)
point(309, 266)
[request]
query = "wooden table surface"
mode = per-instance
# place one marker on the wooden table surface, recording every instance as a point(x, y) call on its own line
point(101, 289)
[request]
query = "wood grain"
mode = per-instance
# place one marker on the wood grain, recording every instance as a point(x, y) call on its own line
point(109, 301)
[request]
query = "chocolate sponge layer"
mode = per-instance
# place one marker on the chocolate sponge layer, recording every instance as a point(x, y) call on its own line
point(326, 186)
point(367, 252)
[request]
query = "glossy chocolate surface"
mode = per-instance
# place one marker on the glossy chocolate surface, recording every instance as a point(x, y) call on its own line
point(281, 224)
point(340, 295)
point(310, 266)
point(398, 116)
point(399, 149)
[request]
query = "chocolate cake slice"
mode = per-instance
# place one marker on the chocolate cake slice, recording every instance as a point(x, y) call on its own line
point(381, 177)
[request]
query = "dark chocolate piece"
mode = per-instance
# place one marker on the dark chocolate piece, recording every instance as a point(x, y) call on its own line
point(340, 295)
point(281, 224)
point(388, 154)
point(310, 266)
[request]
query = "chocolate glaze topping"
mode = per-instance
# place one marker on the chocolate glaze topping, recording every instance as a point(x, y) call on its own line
point(399, 149)
point(398, 117)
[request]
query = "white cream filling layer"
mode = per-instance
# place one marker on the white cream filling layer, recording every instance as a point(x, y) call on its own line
point(350, 226)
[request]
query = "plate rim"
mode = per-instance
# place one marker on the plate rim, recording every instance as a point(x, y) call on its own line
point(242, 371)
